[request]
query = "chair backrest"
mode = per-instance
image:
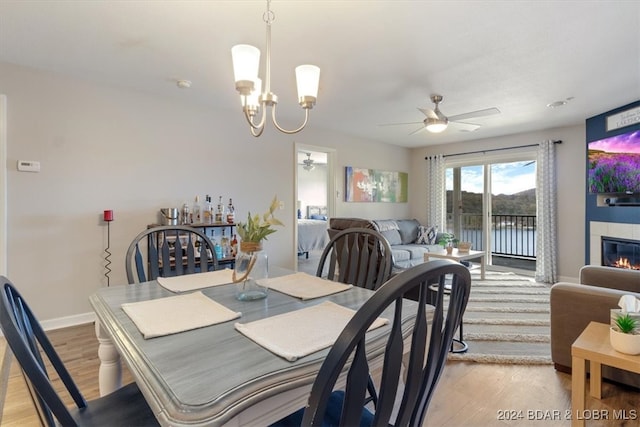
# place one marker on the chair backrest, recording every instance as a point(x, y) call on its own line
point(425, 363)
point(27, 339)
point(196, 251)
point(357, 256)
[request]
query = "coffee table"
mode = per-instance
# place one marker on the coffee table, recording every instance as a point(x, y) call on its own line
point(593, 347)
point(456, 255)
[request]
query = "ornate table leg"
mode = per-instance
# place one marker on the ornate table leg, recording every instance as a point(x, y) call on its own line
point(110, 374)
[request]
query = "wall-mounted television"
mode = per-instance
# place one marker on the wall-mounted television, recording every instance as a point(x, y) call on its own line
point(614, 164)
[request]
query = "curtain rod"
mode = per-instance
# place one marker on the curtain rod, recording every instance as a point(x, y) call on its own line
point(558, 141)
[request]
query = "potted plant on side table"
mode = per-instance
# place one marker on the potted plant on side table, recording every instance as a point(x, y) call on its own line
point(447, 240)
point(625, 334)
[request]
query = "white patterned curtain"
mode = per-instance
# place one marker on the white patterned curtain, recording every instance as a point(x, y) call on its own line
point(436, 196)
point(546, 242)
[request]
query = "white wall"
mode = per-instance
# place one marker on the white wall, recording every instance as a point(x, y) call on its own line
point(571, 185)
point(312, 187)
point(105, 148)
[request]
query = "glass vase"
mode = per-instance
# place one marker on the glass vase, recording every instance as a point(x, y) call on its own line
point(251, 265)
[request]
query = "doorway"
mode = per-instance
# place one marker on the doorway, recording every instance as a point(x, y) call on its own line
point(3, 185)
point(315, 185)
point(493, 205)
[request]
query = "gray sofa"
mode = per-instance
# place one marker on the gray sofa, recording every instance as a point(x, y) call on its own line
point(400, 233)
point(574, 305)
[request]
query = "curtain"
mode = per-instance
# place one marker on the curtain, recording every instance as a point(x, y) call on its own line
point(436, 192)
point(546, 242)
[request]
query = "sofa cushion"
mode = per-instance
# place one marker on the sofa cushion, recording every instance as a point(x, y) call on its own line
point(414, 251)
point(427, 235)
point(400, 255)
point(408, 229)
point(389, 229)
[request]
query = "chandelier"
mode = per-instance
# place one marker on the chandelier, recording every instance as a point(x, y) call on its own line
point(246, 62)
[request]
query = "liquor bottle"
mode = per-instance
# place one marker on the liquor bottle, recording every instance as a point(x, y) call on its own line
point(224, 242)
point(231, 212)
point(186, 214)
point(195, 212)
point(219, 210)
point(206, 214)
point(234, 246)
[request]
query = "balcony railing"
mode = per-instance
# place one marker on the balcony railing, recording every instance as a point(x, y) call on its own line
point(511, 235)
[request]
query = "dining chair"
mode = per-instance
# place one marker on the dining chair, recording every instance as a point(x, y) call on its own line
point(423, 363)
point(159, 244)
point(357, 256)
point(360, 257)
point(29, 343)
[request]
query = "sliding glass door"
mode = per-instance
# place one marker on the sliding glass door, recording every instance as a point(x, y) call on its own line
point(493, 205)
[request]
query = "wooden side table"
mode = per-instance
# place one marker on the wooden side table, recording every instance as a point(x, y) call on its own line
point(593, 346)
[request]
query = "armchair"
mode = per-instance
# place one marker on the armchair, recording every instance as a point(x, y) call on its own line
point(574, 305)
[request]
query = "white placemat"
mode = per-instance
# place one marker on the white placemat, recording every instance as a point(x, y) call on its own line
point(303, 285)
point(299, 333)
point(191, 282)
point(165, 316)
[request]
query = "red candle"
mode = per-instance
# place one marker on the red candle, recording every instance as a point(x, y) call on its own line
point(108, 215)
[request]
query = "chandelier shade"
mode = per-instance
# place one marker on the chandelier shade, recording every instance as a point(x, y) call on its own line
point(246, 62)
point(307, 81)
point(246, 65)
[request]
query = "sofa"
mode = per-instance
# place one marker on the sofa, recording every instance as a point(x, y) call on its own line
point(574, 305)
point(402, 234)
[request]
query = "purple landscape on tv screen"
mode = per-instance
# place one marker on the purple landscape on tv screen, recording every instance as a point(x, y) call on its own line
point(614, 164)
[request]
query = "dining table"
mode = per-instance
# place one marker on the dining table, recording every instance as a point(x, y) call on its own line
point(215, 375)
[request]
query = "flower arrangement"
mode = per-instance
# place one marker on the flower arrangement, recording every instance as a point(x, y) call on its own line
point(257, 230)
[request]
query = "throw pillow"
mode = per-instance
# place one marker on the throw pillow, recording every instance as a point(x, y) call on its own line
point(427, 235)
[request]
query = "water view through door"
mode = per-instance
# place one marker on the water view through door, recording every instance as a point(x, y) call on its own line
point(493, 205)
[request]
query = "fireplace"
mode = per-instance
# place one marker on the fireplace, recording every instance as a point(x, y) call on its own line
point(621, 253)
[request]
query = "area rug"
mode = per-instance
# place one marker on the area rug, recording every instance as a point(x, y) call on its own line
point(506, 320)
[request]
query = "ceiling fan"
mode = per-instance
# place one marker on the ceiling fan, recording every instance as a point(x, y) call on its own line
point(436, 121)
point(308, 163)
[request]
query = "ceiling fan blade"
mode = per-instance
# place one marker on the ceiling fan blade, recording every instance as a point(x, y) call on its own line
point(465, 127)
point(396, 124)
point(429, 112)
point(472, 114)
point(420, 129)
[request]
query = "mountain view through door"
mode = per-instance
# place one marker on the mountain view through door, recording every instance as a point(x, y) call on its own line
point(493, 206)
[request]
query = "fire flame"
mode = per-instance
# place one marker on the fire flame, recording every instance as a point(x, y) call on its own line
point(624, 263)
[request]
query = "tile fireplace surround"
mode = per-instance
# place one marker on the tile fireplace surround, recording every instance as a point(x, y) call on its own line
point(610, 229)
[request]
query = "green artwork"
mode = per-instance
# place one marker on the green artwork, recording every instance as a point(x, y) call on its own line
point(371, 185)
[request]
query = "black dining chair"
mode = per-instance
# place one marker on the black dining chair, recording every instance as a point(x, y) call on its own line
point(29, 343)
point(357, 256)
point(360, 257)
point(424, 361)
point(159, 243)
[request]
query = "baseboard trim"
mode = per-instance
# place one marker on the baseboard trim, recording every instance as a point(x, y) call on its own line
point(67, 321)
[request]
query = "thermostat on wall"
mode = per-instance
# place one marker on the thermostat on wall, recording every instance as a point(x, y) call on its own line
point(28, 166)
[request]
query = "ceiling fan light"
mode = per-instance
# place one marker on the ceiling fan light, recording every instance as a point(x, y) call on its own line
point(436, 125)
point(308, 163)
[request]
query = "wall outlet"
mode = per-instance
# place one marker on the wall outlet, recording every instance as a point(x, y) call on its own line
point(281, 205)
point(28, 166)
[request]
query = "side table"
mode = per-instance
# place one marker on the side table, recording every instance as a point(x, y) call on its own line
point(593, 347)
point(456, 255)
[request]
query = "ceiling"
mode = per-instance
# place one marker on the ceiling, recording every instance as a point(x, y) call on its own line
point(380, 60)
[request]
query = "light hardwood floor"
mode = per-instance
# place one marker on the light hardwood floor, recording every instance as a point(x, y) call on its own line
point(469, 394)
